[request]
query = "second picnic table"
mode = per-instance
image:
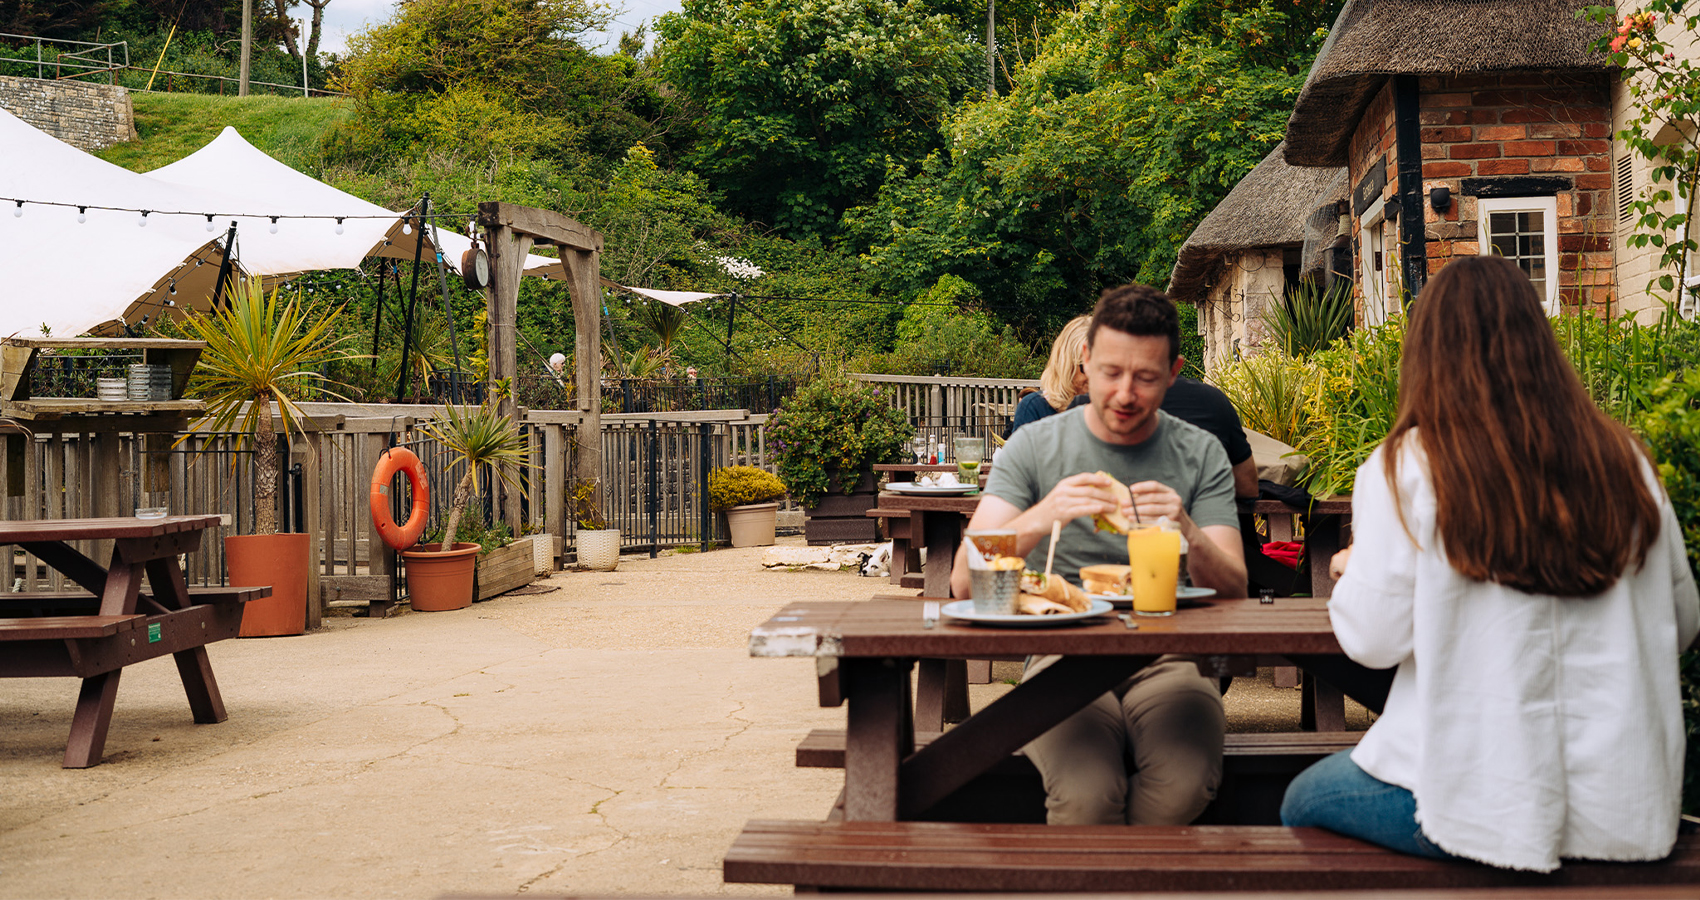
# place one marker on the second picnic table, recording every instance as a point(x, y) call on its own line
point(137, 608)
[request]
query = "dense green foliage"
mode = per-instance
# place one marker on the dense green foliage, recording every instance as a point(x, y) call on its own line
point(495, 78)
point(834, 427)
point(802, 102)
point(1131, 123)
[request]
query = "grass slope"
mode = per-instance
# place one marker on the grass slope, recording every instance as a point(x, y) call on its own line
point(173, 126)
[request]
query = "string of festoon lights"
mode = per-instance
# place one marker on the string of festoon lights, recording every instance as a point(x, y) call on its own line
point(142, 214)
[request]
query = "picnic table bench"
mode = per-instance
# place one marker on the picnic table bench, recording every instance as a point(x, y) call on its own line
point(947, 856)
point(135, 609)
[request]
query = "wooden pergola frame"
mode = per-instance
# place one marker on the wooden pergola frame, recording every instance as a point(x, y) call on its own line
point(510, 231)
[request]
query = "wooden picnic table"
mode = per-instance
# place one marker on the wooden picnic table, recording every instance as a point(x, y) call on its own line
point(864, 652)
point(136, 608)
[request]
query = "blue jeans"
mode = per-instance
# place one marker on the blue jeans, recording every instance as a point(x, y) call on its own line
point(1337, 795)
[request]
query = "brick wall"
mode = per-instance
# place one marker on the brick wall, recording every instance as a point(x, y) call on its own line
point(1529, 134)
point(1372, 157)
point(86, 116)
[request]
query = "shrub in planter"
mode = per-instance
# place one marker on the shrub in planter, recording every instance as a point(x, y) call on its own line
point(834, 426)
point(731, 486)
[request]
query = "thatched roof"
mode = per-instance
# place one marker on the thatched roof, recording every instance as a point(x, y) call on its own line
point(1373, 39)
point(1268, 208)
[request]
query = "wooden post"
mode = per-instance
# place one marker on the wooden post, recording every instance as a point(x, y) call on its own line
point(584, 284)
point(554, 480)
point(507, 249)
point(310, 477)
point(379, 559)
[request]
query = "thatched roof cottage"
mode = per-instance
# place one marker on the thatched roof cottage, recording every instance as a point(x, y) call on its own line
point(1276, 226)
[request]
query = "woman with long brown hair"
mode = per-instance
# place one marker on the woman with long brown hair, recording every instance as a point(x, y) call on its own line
point(1516, 558)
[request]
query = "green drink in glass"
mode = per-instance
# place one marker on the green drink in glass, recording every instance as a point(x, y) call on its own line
point(969, 452)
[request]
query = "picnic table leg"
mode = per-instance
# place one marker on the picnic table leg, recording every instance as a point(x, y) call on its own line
point(1322, 541)
point(1365, 685)
point(1322, 707)
point(941, 533)
point(878, 736)
point(941, 693)
point(95, 700)
point(193, 667)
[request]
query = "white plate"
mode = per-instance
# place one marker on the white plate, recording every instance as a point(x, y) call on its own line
point(964, 610)
point(909, 487)
point(1182, 595)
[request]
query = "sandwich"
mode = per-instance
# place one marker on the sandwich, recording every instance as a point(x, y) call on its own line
point(1042, 596)
point(1107, 578)
point(1114, 520)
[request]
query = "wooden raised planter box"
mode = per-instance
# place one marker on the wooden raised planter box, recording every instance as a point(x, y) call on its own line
point(841, 518)
point(500, 571)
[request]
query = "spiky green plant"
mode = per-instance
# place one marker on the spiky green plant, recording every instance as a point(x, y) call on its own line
point(477, 437)
point(1309, 317)
point(260, 350)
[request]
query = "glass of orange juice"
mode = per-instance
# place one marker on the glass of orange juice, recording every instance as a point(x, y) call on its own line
point(1154, 554)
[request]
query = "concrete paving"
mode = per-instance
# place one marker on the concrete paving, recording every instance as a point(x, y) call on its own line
point(610, 736)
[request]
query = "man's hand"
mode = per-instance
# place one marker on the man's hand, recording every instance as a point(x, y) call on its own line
point(1153, 500)
point(1086, 494)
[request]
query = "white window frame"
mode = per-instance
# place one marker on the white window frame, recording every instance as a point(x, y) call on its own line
point(1372, 229)
point(1548, 206)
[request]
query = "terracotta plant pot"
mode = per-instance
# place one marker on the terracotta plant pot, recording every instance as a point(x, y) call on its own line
point(599, 548)
point(752, 524)
point(438, 581)
point(280, 560)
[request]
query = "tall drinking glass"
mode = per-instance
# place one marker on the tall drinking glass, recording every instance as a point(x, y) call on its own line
point(969, 452)
point(1154, 553)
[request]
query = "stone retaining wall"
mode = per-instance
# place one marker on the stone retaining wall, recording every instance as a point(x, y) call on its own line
point(86, 116)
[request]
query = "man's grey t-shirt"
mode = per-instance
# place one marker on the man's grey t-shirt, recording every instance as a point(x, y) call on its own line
point(1183, 456)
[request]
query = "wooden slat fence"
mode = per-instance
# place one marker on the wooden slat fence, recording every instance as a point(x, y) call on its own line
point(944, 407)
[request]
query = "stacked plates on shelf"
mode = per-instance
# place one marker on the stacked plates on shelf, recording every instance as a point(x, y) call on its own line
point(149, 382)
point(110, 390)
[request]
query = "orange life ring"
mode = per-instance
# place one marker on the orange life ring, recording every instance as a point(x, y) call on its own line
point(399, 459)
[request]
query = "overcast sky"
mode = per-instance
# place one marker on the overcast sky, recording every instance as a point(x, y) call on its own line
point(345, 17)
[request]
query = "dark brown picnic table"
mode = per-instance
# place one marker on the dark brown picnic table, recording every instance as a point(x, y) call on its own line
point(864, 652)
point(135, 608)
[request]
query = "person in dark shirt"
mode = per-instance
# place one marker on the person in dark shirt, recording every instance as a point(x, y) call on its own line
point(1207, 407)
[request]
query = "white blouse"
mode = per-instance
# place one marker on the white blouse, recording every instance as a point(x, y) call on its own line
point(1528, 727)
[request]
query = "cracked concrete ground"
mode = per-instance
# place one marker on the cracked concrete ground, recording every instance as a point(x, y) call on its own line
point(611, 736)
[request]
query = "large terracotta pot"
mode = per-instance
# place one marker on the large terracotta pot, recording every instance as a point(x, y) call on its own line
point(438, 580)
point(753, 524)
point(280, 560)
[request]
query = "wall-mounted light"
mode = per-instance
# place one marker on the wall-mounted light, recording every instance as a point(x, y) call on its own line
point(1390, 210)
point(1440, 198)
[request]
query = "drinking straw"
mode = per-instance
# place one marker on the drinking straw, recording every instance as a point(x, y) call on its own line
point(1051, 554)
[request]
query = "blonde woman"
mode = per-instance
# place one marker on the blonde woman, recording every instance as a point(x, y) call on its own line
point(1063, 379)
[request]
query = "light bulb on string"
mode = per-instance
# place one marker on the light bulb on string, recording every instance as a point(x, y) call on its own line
point(82, 214)
point(406, 226)
point(209, 223)
point(339, 224)
point(274, 224)
point(19, 212)
point(173, 288)
point(142, 222)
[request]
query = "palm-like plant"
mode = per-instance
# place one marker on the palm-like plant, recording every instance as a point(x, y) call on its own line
point(1309, 317)
point(477, 437)
point(260, 351)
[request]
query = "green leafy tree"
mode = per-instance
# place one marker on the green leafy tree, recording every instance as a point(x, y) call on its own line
point(495, 78)
point(1131, 123)
point(802, 101)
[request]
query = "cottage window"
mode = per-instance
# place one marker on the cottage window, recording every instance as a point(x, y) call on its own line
point(1525, 231)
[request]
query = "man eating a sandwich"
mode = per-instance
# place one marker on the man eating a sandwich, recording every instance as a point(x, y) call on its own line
point(1149, 752)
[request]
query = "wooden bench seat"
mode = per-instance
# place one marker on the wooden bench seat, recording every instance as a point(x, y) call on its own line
point(938, 856)
point(824, 747)
point(1256, 769)
point(82, 603)
point(65, 628)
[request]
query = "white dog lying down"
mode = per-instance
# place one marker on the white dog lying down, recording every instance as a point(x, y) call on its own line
point(878, 563)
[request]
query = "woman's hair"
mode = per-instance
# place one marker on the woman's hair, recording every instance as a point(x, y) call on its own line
point(1057, 381)
point(1535, 487)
